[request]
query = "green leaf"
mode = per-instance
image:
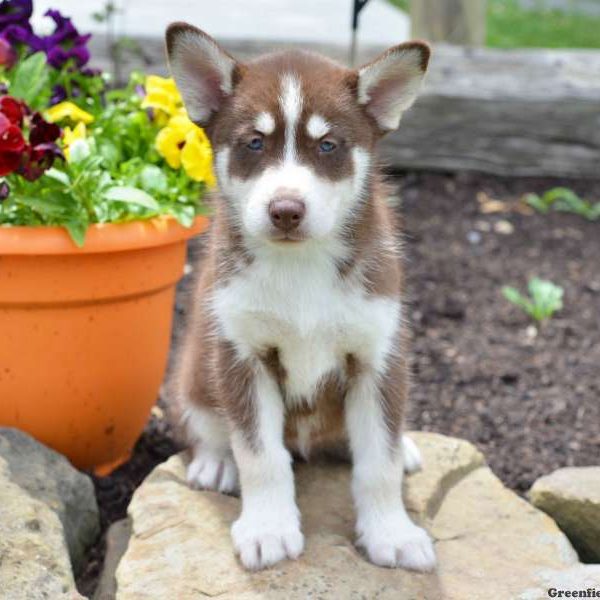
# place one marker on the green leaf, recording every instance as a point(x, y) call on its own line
point(48, 207)
point(80, 150)
point(594, 212)
point(59, 176)
point(77, 231)
point(109, 152)
point(564, 200)
point(132, 195)
point(184, 213)
point(560, 193)
point(31, 76)
point(89, 164)
point(153, 179)
point(572, 204)
point(537, 203)
point(513, 295)
point(547, 297)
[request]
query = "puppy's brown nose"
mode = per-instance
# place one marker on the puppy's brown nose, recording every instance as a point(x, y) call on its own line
point(286, 212)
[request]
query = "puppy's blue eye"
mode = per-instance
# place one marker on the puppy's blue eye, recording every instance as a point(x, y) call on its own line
point(327, 146)
point(256, 144)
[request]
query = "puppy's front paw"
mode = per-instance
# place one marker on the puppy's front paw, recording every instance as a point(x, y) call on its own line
point(213, 471)
point(400, 545)
point(262, 542)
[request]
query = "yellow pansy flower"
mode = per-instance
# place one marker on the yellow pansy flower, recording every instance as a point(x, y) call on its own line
point(184, 144)
point(68, 110)
point(162, 95)
point(72, 135)
point(171, 139)
point(196, 157)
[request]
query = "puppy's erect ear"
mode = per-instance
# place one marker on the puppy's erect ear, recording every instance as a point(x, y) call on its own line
point(202, 70)
point(389, 85)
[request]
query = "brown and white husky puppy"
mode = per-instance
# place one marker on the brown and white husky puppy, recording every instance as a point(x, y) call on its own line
point(296, 337)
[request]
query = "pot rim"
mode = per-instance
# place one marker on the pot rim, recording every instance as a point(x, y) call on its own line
point(100, 237)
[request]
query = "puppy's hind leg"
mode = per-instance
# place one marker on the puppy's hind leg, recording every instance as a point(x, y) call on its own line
point(192, 403)
point(411, 455)
point(212, 466)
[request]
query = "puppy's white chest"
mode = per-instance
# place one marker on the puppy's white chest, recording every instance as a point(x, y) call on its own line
point(314, 323)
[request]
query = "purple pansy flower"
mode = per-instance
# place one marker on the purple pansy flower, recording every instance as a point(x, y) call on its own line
point(15, 12)
point(91, 71)
point(17, 34)
point(65, 43)
point(15, 27)
point(4, 190)
point(59, 94)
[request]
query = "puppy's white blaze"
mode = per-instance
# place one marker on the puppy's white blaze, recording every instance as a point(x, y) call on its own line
point(317, 127)
point(291, 107)
point(265, 123)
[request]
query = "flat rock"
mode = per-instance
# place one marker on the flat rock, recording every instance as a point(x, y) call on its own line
point(446, 460)
point(490, 542)
point(571, 496)
point(50, 478)
point(181, 547)
point(34, 562)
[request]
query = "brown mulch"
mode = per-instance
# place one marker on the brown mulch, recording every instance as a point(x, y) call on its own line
point(530, 402)
point(528, 397)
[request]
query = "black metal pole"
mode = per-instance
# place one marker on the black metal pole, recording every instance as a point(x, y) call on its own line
point(357, 6)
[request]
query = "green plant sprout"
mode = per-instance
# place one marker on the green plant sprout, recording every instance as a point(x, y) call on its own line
point(564, 200)
point(544, 299)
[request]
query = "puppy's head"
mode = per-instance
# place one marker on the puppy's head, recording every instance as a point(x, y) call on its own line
point(293, 132)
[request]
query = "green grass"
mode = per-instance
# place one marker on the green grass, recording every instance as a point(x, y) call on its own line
point(402, 4)
point(509, 26)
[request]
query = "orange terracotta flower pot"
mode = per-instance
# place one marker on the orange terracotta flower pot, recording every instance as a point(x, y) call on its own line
point(84, 333)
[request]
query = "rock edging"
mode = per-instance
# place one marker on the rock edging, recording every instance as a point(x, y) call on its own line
point(48, 517)
point(571, 496)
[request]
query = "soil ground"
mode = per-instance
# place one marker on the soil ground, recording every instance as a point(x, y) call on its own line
point(528, 397)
